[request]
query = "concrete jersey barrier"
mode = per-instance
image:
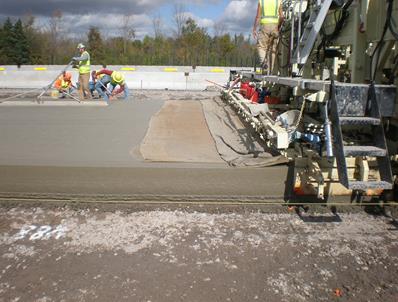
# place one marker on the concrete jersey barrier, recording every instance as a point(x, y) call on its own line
point(137, 77)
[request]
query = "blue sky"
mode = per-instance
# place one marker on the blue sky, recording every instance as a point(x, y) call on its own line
point(206, 10)
point(233, 16)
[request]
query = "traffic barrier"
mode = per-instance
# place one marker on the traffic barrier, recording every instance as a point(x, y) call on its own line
point(143, 77)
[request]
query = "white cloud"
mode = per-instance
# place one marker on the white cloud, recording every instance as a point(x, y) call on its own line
point(238, 10)
point(207, 23)
point(78, 25)
point(201, 22)
point(47, 7)
point(239, 15)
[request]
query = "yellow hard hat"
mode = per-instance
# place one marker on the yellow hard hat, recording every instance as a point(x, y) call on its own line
point(117, 77)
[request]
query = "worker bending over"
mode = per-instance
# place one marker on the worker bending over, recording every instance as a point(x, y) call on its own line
point(64, 83)
point(113, 78)
point(269, 16)
point(84, 72)
point(94, 80)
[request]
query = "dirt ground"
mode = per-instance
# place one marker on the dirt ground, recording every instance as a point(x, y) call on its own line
point(195, 254)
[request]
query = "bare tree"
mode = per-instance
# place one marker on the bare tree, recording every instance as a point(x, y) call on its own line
point(127, 31)
point(179, 18)
point(28, 20)
point(219, 29)
point(157, 26)
point(55, 33)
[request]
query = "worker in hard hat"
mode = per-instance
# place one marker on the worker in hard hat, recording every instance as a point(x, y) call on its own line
point(270, 17)
point(64, 83)
point(113, 78)
point(94, 79)
point(83, 64)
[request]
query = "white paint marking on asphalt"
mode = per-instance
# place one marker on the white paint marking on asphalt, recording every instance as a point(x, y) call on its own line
point(24, 231)
point(43, 232)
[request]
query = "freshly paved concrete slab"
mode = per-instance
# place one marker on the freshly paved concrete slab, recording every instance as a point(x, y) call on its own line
point(95, 150)
point(74, 136)
point(147, 183)
point(52, 103)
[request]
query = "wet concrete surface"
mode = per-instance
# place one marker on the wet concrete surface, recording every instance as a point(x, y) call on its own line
point(127, 254)
point(96, 150)
point(75, 136)
point(83, 136)
point(188, 182)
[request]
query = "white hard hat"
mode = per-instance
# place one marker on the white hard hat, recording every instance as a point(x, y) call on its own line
point(80, 46)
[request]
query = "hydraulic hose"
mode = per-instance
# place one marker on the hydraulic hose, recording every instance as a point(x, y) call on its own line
point(377, 51)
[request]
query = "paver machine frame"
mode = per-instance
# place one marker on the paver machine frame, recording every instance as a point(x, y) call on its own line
point(337, 68)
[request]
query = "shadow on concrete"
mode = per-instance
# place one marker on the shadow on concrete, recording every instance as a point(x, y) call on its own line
point(320, 218)
point(289, 195)
point(394, 224)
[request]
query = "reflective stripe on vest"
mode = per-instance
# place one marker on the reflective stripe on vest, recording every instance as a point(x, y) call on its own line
point(64, 84)
point(269, 11)
point(84, 66)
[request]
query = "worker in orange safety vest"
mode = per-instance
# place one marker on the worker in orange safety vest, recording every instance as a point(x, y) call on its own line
point(64, 83)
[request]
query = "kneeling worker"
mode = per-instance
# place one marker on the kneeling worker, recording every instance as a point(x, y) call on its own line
point(94, 80)
point(64, 83)
point(114, 78)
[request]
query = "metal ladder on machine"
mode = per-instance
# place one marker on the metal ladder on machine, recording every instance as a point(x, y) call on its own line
point(305, 42)
point(373, 119)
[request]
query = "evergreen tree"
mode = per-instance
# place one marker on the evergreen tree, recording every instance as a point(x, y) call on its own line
point(7, 42)
point(2, 55)
point(96, 46)
point(36, 40)
point(21, 53)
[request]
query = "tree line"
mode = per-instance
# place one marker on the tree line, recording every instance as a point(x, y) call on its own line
point(22, 42)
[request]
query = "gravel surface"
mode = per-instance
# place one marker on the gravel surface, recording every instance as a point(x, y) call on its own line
point(104, 254)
